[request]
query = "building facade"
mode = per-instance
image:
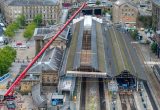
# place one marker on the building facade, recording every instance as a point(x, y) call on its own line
point(44, 72)
point(124, 12)
point(43, 35)
point(156, 14)
point(50, 10)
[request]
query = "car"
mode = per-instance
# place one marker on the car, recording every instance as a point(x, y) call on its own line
point(2, 24)
point(19, 43)
point(23, 46)
point(14, 46)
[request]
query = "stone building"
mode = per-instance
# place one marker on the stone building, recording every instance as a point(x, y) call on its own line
point(44, 72)
point(43, 35)
point(49, 9)
point(156, 14)
point(125, 12)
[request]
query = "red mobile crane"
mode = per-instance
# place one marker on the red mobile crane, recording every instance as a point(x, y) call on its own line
point(10, 91)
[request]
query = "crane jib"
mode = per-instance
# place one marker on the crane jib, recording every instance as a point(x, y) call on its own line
point(22, 75)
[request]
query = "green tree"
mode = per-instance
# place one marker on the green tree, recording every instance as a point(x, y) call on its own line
point(14, 26)
point(146, 21)
point(154, 47)
point(134, 34)
point(28, 33)
point(98, 2)
point(38, 19)
point(21, 20)
point(7, 56)
point(10, 30)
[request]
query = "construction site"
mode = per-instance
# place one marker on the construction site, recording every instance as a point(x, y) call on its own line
point(85, 65)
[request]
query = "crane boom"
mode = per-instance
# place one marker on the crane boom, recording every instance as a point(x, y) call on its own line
point(22, 75)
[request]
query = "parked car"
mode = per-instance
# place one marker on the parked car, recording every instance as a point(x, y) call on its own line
point(14, 46)
point(2, 24)
point(23, 46)
point(19, 43)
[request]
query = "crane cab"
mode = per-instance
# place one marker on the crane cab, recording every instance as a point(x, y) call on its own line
point(11, 105)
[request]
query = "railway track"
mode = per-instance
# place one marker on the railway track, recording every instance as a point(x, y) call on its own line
point(92, 94)
point(127, 102)
point(152, 81)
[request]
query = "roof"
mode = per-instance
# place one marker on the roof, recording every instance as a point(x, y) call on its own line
point(64, 15)
point(33, 2)
point(157, 68)
point(50, 61)
point(79, 55)
point(121, 2)
point(38, 99)
point(56, 96)
point(156, 2)
point(49, 32)
point(121, 55)
point(87, 22)
point(67, 83)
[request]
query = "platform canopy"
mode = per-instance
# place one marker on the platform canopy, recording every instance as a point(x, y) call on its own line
point(86, 52)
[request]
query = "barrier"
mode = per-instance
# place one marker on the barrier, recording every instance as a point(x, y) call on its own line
point(4, 77)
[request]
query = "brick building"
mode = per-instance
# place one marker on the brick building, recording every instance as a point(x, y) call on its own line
point(125, 12)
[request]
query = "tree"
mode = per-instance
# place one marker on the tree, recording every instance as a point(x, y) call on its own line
point(14, 26)
point(154, 47)
point(10, 30)
point(21, 20)
point(28, 33)
point(134, 34)
point(7, 56)
point(107, 11)
point(38, 19)
point(98, 2)
point(146, 21)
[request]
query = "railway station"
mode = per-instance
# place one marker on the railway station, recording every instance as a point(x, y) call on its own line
point(125, 65)
point(92, 54)
point(88, 55)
